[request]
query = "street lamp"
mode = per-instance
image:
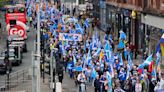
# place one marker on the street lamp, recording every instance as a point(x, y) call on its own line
point(38, 47)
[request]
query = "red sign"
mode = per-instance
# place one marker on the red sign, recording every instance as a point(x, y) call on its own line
point(20, 27)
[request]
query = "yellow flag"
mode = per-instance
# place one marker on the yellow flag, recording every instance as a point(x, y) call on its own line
point(101, 55)
point(162, 48)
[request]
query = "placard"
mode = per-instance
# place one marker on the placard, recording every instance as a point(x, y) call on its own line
point(70, 37)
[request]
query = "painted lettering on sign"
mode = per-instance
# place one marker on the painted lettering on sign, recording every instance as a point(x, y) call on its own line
point(70, 37)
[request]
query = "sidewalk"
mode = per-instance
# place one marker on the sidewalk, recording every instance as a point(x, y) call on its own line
point(3, 32)
point(26, 86)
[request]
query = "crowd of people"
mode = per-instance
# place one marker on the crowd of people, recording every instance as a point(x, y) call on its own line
point(95, 62)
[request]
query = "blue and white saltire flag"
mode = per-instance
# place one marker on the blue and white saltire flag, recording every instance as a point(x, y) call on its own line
point(78, 68)
point(148, 60)
point(89, 58)
point(130, 63)
point(122, 75)
point(121, 60)
point(107, 49)
point(97, 53)
point(122, 35)
point(109, 78)
point(86, 23)
point(93, 73)
point(74, 60)
point(121, 44)
point(79, 29)
point(141, 66)
point(69, 66)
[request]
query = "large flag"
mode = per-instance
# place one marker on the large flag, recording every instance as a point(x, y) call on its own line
point(121, 44)
point(79, 68)
point(122, 35)
point(122, 75)
point(108, 51)
point(160, 45)
point(148, 60)
point(79, 29)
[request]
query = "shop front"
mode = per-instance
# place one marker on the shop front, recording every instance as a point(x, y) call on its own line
point(103, 23)
point(153, 31)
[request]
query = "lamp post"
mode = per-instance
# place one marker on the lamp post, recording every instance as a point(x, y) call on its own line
point(38, 47)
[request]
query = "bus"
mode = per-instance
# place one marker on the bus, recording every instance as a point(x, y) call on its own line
point(16, 20)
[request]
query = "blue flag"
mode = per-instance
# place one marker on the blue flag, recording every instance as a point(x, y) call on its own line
point(154, 73)
point(122, 35)
point(74, 60)
point(121, 44)
point(121, 60)
point(122, 75)
point(89, 58)
point(79, 68)
point(93, 73)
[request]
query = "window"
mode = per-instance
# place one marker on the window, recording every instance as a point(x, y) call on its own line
point(12, 22)
point(81, 1)
point(21, 10)
point(10, 10)
point(124, 1)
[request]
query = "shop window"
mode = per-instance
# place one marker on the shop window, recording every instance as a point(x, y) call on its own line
point(81, 1)
point(124, 1)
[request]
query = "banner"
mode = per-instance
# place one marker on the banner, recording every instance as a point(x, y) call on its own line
point(70, 37)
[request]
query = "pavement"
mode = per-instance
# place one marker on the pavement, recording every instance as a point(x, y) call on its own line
point(3, 33)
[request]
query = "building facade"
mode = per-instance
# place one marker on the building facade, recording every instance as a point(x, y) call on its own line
point(138, 19)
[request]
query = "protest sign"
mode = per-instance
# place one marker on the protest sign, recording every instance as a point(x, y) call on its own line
point(70, 37)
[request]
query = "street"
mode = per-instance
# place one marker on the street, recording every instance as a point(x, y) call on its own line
point(26, 61)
